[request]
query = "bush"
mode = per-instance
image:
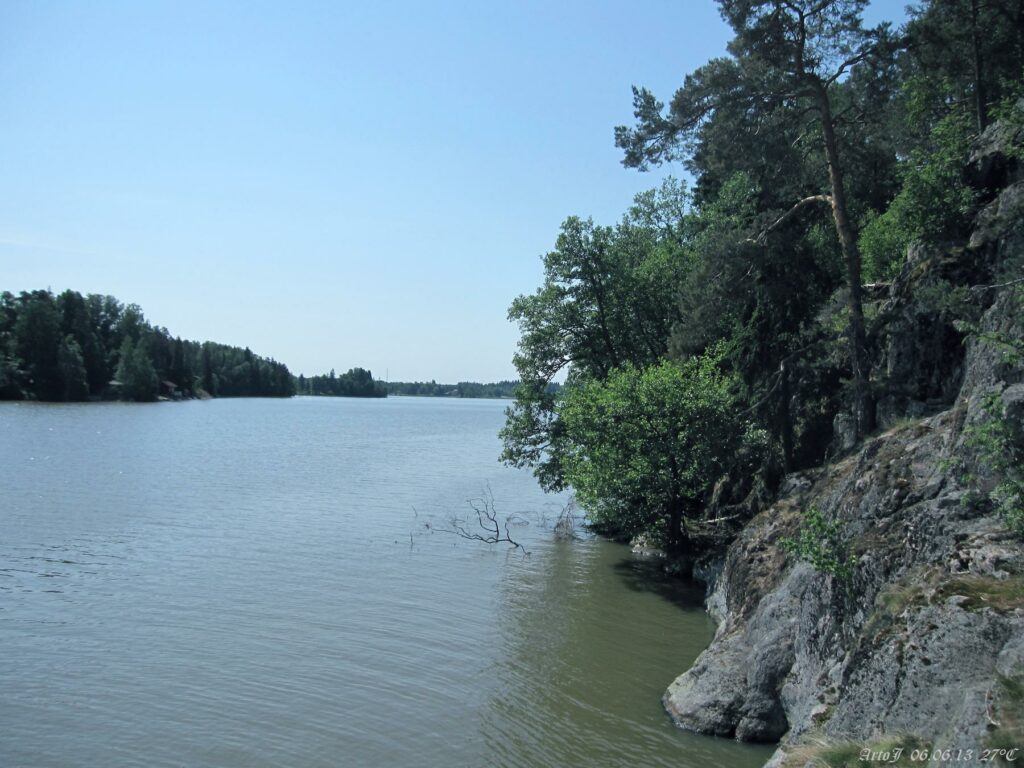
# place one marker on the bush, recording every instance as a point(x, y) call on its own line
point(645, 446)
point(1000, 445)
point(823, 544)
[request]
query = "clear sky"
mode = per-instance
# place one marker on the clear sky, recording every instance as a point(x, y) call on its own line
point(332, 184)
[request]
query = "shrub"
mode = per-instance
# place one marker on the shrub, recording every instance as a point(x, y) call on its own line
point(1000, 445)
point(645, 446)
point(823, 544)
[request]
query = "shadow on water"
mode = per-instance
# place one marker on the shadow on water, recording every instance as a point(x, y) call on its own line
point(591, 637)
point(232, 593)
point(647, 575)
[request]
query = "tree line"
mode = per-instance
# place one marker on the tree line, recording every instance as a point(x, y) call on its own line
point(357, 382)
point(467, 389)
point(711, 339)
point(70, 347)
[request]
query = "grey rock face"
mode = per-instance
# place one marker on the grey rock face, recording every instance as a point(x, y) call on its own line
point(916, 641)
point(798, 652)
point(992, 163)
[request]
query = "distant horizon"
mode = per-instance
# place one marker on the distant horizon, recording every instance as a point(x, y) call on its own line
point(329, 182)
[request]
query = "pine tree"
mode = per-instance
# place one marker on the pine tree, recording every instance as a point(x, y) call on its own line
point(72, 369)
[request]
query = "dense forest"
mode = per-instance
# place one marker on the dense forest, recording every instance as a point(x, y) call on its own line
point(358, 382)
point(71, 347)
point(724, 333)
point(462, 389)
point(470, 389)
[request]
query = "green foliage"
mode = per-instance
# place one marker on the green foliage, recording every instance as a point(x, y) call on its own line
point(789, 59)
point(967, 56)
point(608, 300)
point(71, 347)
point(357, 382)
point(72, 369)
point(740, 113)
point(644, 446)
point(36, 338)
point(136, 373)
point(466, 389)
point(999, 441)
point(821, 149)
point(741, 294)
point(933, 206)
point(824, 544)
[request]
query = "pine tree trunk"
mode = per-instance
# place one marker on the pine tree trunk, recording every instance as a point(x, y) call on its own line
point(864, 410)
point(980, 94)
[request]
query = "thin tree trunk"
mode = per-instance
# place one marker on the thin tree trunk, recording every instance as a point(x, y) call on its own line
point(675, 512)
point(1020, 36)
point(605, 334)
point(980, 94)
point(864, 411)
point(785, 420)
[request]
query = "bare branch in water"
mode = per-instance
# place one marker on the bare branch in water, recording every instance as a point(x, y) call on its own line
point(565, 528)
point(490, 527)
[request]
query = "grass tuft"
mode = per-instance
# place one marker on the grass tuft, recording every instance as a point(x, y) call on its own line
point(891, 751)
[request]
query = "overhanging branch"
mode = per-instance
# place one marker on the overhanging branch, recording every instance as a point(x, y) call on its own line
point(799, 206)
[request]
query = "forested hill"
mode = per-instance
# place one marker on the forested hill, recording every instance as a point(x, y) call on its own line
point(70, 347)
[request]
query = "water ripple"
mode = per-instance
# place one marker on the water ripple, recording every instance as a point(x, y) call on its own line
point(245, 583)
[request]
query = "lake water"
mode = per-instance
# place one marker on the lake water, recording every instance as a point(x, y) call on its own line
point(251, 583)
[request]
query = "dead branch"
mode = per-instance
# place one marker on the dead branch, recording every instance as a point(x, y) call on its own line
point(565, 528)
point(490, 527)
point(997, 286)
point(799, 206)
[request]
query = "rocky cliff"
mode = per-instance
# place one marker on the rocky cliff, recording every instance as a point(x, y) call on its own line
point(924, 643)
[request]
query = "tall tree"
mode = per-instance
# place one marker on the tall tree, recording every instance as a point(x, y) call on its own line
point(37, 338)
point(135, 371)
point(608, 300)
point(969, 54)
point(788, 57)
point(181, 370)
point(77, 321)
point(72, 369)
point(208, 379)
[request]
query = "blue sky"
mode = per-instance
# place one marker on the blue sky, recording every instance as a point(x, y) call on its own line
point(332, 184)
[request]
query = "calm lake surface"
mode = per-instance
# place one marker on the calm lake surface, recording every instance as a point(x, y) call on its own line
point(250, 583)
